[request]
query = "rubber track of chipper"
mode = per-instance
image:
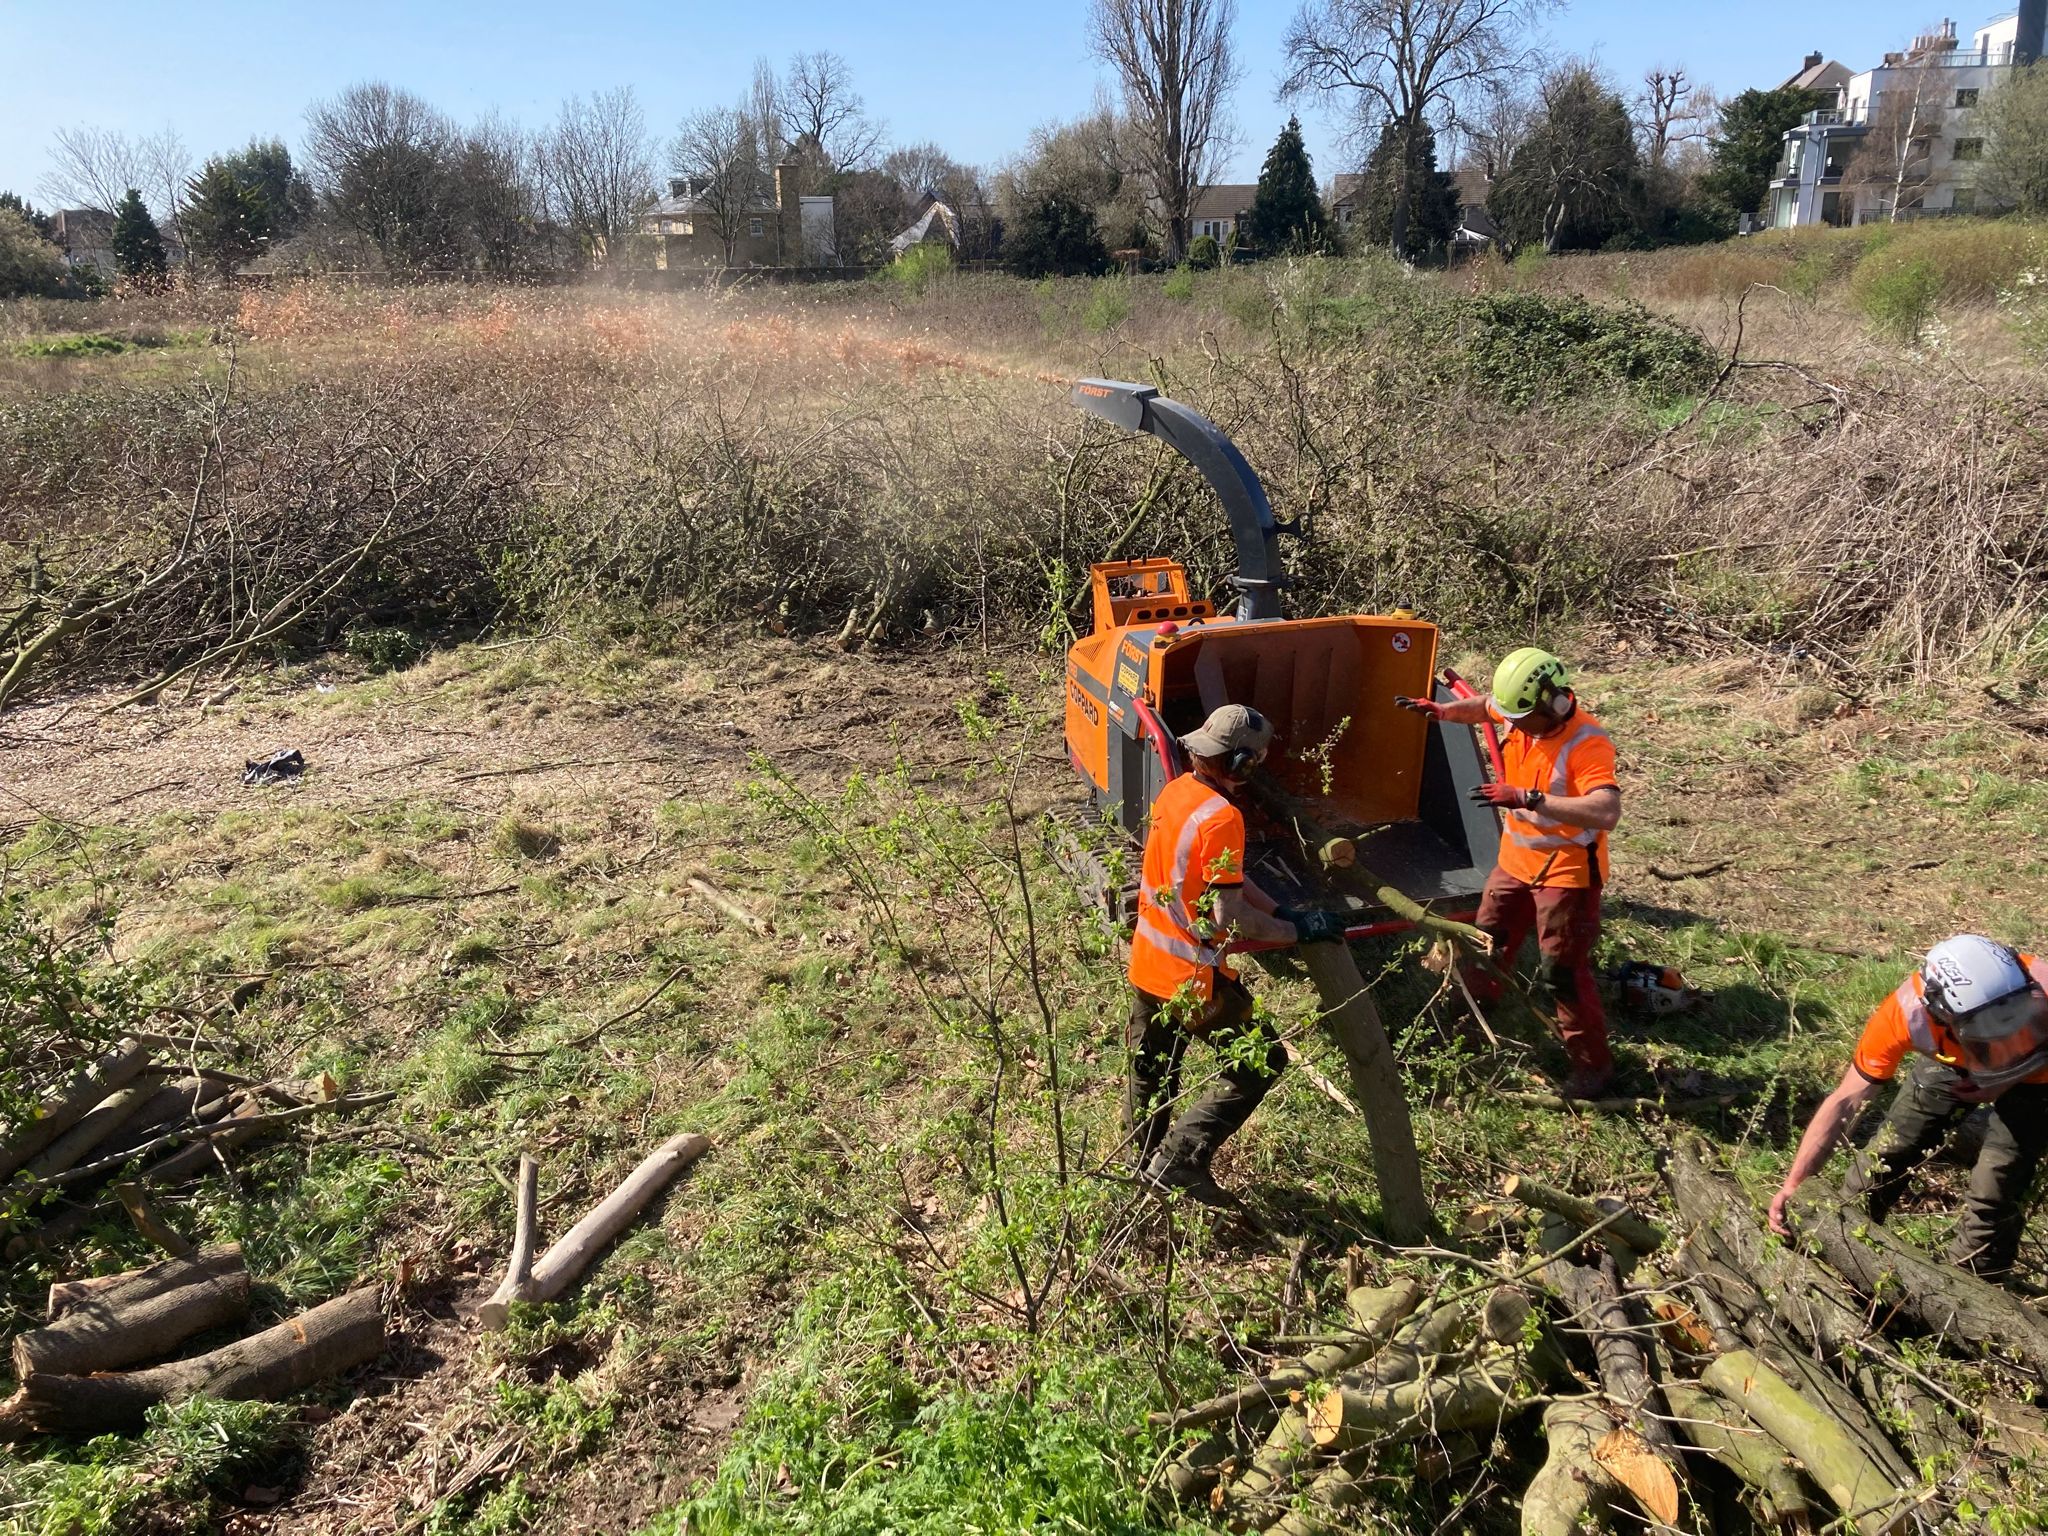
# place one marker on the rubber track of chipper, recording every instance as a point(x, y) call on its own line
point(1100, 860)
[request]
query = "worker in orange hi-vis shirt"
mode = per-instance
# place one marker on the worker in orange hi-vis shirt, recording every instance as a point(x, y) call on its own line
point(1558, 801)
point(1193, 900)
point(1975, 1017)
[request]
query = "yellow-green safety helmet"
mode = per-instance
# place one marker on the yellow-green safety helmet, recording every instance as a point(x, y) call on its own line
point(1525, 679)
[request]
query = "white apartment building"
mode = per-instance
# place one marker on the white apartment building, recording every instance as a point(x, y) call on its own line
point(1901, 134)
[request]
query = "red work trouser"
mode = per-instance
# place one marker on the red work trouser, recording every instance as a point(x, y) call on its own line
point(1567, 923)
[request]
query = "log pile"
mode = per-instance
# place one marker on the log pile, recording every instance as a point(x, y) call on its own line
point(133, 1116)
point(1614, 1374)
point(74, 1370)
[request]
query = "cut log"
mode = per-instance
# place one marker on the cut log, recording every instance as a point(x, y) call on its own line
point(144, 1316)
point(246, 1121)
point(728, 906)
point(1645, 1237)
point(70, 1104)
point(98, 1122)
point(1506, 1315)
point(518, 1281)
point(1480, 1396)
point(336, 1337)
point(558, 1268)
point(1249, 1498)
point(1336, 1489)
point(1376, 1312)
point(1852, 1482)
point(1572, 1492)
point(1728, 1435)
point(1811, 1299)
point(1420, 1341)
point(1188, 1478)
point(1947, 1302)
point(1594, 1297)
point(1354, 1021)
point(182, 1101)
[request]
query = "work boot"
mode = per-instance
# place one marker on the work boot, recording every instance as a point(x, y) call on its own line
point(1167, 1176)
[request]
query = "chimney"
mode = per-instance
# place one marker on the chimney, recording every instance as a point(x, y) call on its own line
point(1812, 62)
point(2029, 45)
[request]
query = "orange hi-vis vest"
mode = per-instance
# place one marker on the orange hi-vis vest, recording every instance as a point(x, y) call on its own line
point(1575, 759)
point(1902, 1023)
point(1196, 845)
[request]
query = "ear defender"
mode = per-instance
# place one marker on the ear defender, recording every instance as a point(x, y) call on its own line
point(1242, 759)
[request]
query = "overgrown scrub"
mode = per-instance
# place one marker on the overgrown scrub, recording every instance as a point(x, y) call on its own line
point(362, 471)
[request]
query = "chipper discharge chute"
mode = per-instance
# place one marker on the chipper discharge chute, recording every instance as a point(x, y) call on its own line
point(1347, 765)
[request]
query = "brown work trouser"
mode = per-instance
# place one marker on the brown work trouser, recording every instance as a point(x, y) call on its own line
point(1566, 920)
point(1252, 1060)
point(1920, 1119)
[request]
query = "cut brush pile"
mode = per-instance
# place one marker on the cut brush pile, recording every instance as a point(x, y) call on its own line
point(1606, 1372)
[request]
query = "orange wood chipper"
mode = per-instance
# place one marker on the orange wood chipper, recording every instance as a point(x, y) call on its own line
point(1347, 765)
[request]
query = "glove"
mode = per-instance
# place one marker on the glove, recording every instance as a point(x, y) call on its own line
point(1505, 797)
point(1317, 928)
point(1428, 708)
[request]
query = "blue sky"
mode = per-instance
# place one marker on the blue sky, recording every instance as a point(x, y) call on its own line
point(975, 77)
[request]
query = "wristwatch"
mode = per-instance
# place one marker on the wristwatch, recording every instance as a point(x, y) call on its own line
point(1534, 800)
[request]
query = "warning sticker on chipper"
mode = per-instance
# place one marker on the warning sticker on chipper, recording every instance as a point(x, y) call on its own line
point(1401, 641)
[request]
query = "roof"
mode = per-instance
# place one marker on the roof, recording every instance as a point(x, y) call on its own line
point(934, 212)
point(1345, 186)
point(1824, 76)
point(1225, 200)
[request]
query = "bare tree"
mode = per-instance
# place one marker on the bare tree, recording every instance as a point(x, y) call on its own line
point(764, 106)
point(597, 168)
point(1895, 159)
point(1671, 110)
point(1174, 61)
point(169, 167)
point(1408, 62)
point(718, 150)
point(94, 168)
point(382, 159)
point(922, 168)
point(819, 104)
point(1493, 127)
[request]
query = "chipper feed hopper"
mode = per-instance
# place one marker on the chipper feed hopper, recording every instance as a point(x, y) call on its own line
point(1346, 761)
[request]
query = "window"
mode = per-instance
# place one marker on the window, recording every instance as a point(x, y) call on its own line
point(754, 228)
point(665, 227)
point(1964, 200)
point(1967, 96)
point(1969, 149)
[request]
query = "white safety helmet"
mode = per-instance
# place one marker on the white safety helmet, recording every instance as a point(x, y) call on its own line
point(1978, 988)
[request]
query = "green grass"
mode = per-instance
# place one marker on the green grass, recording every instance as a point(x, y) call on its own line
point(103, 343)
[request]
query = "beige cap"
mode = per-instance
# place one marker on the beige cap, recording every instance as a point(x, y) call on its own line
point(1233, 728)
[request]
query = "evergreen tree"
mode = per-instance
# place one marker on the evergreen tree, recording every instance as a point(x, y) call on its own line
point(1287, 212)
point(266, 165)
point(1747, 148)
point(226, 222)
point(138, 247)
point(1054, 234)
point(1434, 206)
point(41, 223)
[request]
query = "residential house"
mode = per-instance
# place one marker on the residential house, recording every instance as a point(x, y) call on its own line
point(1912, 119)
point(1219, 209)
point(782, 228)
point(1822, 76)
point(1476, 229)
point(1347, 194)
point(86, 236)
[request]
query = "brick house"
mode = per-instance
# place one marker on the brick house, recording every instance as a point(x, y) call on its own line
point(783, 228)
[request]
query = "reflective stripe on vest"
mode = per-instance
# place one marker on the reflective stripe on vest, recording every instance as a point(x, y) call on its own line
point(1170, 926)
point(1174, 944)
point(1549, 833)
point(1183, 850)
